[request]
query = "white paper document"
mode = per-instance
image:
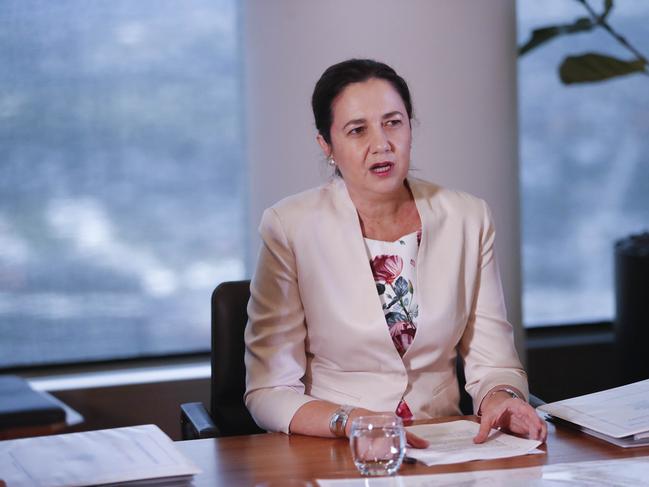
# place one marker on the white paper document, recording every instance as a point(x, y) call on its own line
point(629, 472)
point(118, 455)
point(453, 443)
point(619, 412)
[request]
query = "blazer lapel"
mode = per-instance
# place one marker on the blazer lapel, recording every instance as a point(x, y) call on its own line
point(367, 308)
point(437, 275)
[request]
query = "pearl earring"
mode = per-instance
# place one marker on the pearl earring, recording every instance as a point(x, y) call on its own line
point(331, 161)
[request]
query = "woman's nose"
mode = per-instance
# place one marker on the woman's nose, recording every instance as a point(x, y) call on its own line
point(380, 141)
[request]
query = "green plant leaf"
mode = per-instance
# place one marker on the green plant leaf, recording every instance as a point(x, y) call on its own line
point(544, 34)
point(608, 6)
point(591, 67)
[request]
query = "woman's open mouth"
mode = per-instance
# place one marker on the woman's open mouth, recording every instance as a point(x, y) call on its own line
point(381, 168)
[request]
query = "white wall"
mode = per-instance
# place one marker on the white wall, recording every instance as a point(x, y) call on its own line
point(458, 57)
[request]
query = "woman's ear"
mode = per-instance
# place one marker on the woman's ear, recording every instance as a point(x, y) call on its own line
point(326, 148)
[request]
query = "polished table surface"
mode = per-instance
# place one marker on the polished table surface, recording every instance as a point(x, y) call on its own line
point(29, 431)
point(264, 458)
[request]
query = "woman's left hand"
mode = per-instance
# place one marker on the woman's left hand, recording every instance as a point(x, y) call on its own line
point(512, 415)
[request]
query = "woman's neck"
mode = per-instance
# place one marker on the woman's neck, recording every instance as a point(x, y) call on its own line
point(387, 217)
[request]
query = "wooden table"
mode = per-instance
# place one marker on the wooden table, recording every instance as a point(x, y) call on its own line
point(29, 431)
point(256, 459)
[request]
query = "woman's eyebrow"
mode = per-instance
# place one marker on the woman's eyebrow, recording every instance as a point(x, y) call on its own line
point(392, 114)
point(356, 121)
point(359, 121)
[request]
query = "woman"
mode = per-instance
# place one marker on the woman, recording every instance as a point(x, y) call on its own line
point(368, 287)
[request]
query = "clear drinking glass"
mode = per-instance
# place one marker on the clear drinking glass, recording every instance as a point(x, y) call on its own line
point(378, 444)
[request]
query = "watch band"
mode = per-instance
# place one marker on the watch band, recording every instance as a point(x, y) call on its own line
point(509, 391)
point(338, 420)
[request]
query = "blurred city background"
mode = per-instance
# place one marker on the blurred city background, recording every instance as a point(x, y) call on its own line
point(121, 183)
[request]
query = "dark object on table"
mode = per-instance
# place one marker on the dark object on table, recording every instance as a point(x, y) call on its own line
point(20, 405)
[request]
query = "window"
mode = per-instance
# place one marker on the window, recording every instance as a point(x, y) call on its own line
point(122, 182)
point(584, 167)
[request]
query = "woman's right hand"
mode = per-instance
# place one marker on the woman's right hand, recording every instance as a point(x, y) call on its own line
point(416, 441)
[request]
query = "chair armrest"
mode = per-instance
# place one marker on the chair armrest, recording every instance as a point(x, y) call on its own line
point(195, 422)
point(535, 402)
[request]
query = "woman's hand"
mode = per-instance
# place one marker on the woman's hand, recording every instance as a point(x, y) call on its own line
point(500, 410)
point(415, 441)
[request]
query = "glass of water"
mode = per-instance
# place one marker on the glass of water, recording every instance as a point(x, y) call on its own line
point(378, 444)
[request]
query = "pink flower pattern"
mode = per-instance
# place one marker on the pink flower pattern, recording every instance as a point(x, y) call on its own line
point(386, 268)
point(397, 292)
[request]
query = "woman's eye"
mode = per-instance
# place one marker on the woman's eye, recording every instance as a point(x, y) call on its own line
point(393, 123)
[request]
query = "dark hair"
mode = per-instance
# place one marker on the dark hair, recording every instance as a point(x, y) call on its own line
point(336, 78)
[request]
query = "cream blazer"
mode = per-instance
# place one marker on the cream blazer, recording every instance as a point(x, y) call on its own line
point(316, 327)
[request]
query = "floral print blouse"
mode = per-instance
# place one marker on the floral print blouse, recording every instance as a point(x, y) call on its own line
point(394, 266)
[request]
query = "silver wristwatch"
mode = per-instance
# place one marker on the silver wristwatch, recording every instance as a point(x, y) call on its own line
point(512, 393)
point(338, 420)
point(509, 391)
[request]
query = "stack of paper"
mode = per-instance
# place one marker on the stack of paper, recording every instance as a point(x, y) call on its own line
point(453, 443)
point(619, 416)
point(124, 456)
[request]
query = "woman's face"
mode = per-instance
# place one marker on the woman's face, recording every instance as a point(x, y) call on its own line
point(370, 138)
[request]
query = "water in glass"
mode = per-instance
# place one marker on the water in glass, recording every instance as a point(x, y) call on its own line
point(378, 444)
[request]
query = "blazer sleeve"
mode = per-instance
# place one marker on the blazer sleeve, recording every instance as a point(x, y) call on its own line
point(275, 335)
point(487, 345)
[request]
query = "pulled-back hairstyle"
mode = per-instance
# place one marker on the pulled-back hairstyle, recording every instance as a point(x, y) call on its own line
point(336, 78)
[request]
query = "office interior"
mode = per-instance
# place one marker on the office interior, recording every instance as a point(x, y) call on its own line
point(460, 60)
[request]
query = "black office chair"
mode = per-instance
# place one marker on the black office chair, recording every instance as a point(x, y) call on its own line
point(229, 415)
